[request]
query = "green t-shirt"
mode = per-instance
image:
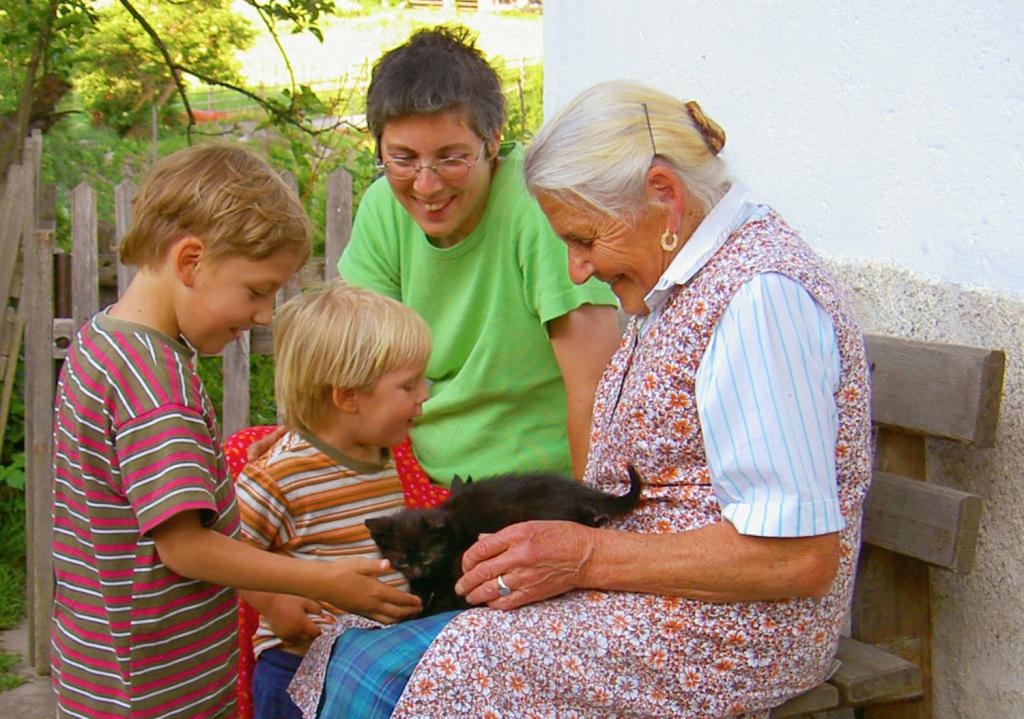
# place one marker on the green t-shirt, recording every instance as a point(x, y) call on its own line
point(497, 401)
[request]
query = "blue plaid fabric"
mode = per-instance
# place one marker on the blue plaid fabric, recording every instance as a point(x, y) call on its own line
point(369, 668)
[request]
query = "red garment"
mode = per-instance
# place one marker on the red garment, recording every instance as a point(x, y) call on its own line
point(235, 449)
point(419, 493)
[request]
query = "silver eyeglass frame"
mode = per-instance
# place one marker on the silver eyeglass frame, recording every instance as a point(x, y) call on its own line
point(437, 167)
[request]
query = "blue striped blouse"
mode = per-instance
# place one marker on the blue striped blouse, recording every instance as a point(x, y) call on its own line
point(764, 391)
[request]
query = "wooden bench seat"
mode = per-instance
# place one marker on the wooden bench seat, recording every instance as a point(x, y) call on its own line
point(919, 390)
point(865, 674)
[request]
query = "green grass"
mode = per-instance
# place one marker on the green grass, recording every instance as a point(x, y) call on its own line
point(9, 680)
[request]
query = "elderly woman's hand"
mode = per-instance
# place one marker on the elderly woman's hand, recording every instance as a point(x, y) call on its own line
point(535, 560)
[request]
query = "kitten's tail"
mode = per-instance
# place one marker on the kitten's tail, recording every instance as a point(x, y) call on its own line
point(636, 484)
point(618, 505)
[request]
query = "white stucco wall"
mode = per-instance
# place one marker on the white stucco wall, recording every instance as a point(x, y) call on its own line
point(891, 134)
point(885, 130)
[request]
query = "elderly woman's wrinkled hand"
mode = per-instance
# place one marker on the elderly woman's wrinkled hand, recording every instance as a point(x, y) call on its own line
point(534, 560)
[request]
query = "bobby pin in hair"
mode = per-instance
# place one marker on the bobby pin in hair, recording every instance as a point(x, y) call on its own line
point(650, 132)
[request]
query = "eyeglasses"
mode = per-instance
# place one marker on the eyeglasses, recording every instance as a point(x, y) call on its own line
point(451, 169)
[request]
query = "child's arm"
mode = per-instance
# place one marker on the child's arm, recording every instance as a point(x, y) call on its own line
point(196, 552)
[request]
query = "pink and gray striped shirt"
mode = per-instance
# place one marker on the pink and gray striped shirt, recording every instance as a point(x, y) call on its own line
point(135, 443)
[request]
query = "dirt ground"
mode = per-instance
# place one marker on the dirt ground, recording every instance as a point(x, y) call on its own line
point(34, 699)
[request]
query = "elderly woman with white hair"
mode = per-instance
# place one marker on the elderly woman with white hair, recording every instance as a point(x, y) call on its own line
point(739, 393)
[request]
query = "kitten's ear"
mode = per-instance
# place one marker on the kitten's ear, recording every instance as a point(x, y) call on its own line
point(457, 484)
point(380, 526)
point(435, 520)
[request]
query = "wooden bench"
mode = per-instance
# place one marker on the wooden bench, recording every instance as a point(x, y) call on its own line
point(913, 521)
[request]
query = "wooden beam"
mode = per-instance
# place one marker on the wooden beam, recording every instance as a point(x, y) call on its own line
point(85, 289)
point(124, 195)
point(235, 377)
point(935, 389)
point(291, 287)
point(869, 674)
point(10, 367)
point(935, 524)
point(39, 391)
point(14, 219)
point(339, 220)
point(891, 601)
point(820, 698)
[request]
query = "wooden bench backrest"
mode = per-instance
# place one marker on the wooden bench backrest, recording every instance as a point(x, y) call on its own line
point(939, 390)
point(935, 390)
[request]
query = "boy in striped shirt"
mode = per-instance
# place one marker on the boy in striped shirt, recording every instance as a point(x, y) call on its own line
point(348, 383)
point(145, 518)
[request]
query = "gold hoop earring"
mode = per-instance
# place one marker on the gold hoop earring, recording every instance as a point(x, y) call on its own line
point(669, 240)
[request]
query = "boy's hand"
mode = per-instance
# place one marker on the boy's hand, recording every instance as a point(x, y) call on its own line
point(289, 618)
point(259, 447)
point(352, 585)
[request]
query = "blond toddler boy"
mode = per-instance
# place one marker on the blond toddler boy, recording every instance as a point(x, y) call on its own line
point(348, 383)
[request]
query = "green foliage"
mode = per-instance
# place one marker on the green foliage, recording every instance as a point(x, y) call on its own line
point(312, 159)
point(262, 406)
point(122, 73)
point(12, 556)
point(50, 29)
point(262, 409)
point(75, 151)
point(14, 434)
point(209, 369)
point(524, 100)
point(12, 512)
point(303, 15)
point(13, 475)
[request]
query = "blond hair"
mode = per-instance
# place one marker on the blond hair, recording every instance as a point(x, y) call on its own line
point(343, 337)
point(222, 194)
point(595, 153)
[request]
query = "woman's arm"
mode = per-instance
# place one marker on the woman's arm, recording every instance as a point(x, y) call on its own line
point(583, 341)
point(715, 563)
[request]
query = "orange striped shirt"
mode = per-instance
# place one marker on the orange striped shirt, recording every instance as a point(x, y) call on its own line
point(307, 500)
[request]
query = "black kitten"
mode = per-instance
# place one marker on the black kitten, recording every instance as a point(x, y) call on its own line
point(426, 545)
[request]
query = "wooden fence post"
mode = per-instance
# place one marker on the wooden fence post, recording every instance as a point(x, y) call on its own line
point(124, 194)
point(339, 219)
point(85, 288)
point(14, 216)
point(235, 375)
point(15, 221)
point(39, 387)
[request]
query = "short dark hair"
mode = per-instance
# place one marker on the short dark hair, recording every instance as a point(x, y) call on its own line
point(437, 69)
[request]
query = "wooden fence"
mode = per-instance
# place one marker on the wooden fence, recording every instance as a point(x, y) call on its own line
point(60, 291)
